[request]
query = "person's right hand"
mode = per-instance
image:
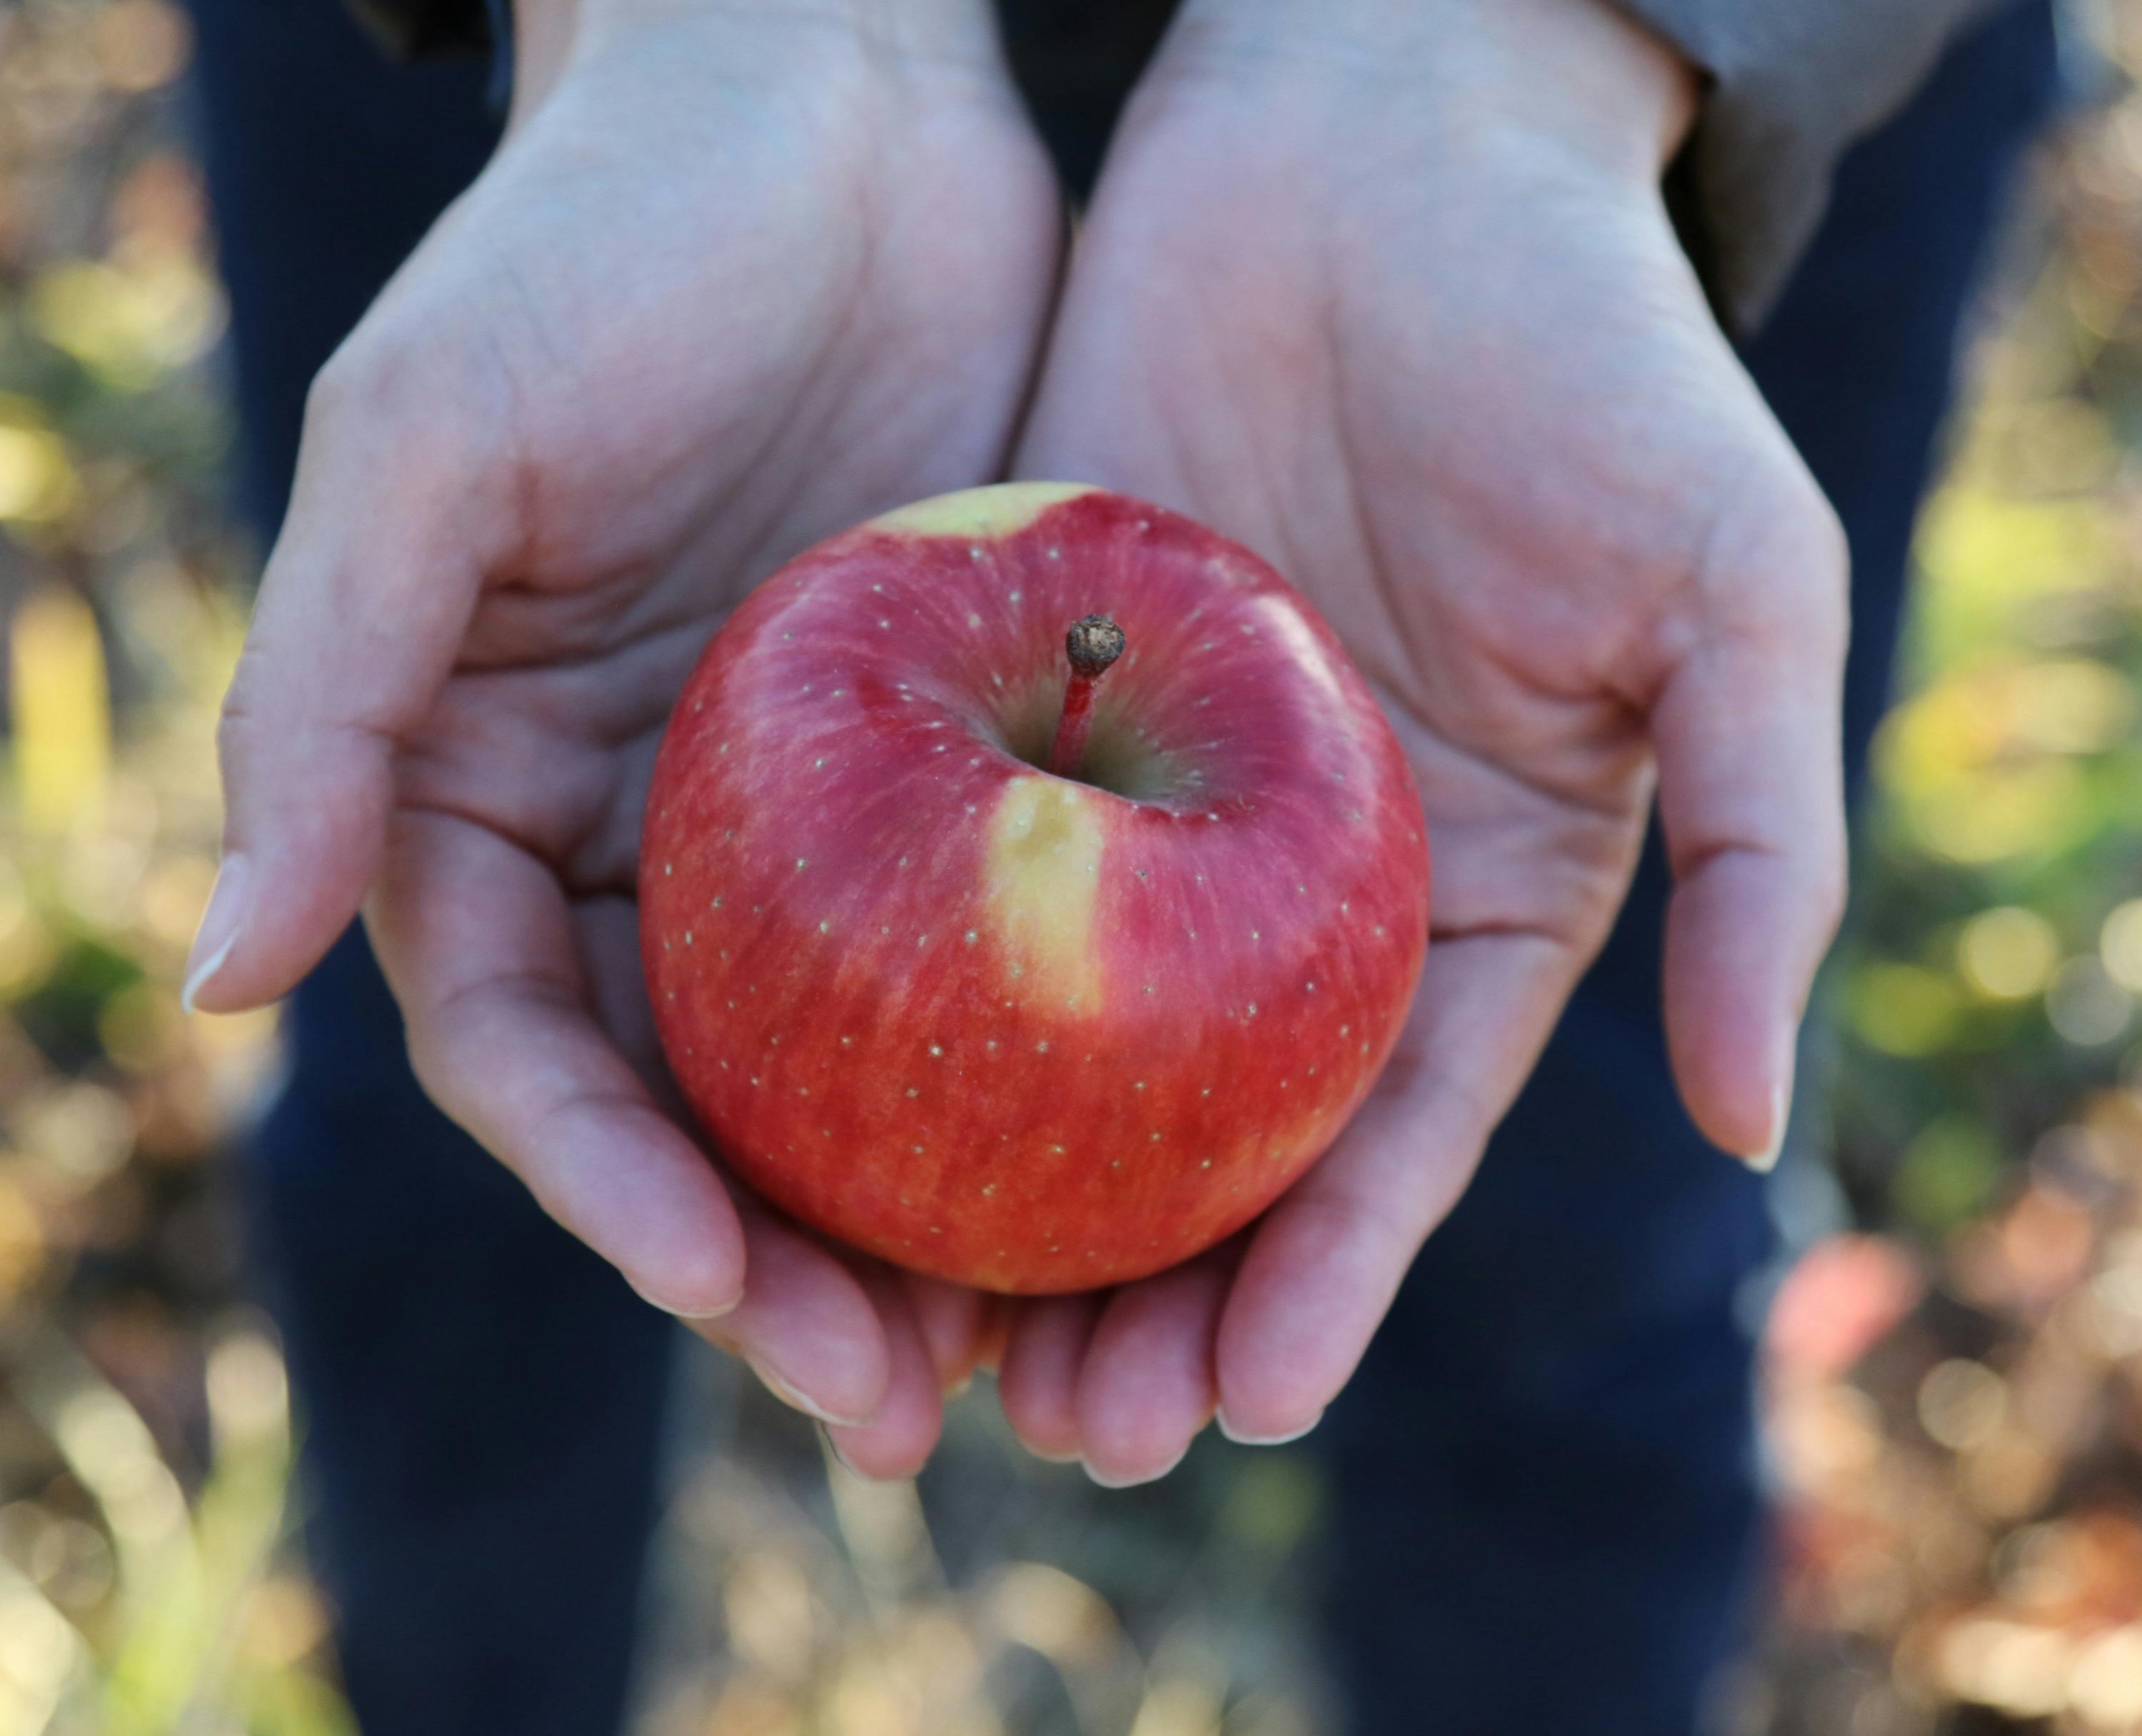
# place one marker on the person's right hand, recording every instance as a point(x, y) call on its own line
point(739, 277)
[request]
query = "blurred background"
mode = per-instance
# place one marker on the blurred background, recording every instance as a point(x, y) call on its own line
point(1954, 1379)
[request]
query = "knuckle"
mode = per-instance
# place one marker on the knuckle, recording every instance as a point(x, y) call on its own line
point(1776, 567)
point(1830, 891)
point(402, 389)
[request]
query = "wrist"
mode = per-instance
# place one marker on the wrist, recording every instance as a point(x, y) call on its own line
point(549, 35)
point(1579, 74)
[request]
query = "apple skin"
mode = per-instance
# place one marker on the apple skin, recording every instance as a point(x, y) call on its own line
point(1028, 1034)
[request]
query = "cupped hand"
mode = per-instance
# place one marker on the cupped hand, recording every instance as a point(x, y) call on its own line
point(738, 278)
point(1386, 289)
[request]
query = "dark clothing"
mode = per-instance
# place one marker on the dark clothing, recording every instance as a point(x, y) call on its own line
point(1546, 1496)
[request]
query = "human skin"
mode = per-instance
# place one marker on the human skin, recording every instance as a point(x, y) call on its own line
point(738, 277)
point(1383, 287)
point(1386, 289)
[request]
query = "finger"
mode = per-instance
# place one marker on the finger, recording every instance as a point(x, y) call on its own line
point(955, 1323)
point(1147, 1384)
point(815, 1341)
point(364, 602)
point(817, 1338)
point(1038, 1379)
point(476, 940)
point(1323, 1265)
point(899, 1439)
point(1752, 796)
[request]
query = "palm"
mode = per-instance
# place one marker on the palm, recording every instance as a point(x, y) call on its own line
point(599, 405)
point(1480, 415)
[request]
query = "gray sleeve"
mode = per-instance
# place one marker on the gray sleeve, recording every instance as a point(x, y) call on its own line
point(1793, 83)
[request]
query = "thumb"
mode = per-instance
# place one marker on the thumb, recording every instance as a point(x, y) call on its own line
point(1751, 797)
point(361, 611)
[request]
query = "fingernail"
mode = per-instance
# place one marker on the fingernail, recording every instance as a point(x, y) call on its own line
point(652, 1300)
point(833, 1447)
point(1107, 1482)
point(1781, 1109)
point(220, 925)
point(1053, 1459)
point(795, 1400)
point(1242, 1438)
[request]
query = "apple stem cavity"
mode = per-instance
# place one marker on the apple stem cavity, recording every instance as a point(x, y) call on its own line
point(1093, 642)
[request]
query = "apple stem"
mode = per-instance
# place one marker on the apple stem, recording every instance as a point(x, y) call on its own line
point(1093, 642)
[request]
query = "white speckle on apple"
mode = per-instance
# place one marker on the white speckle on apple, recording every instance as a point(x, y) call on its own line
point(1015, 596)
point(936, 1049)
point(687, 937)
point(988, 1188)
point(825, 928)
point(1042, 1047)
point(801, 863)
point(971, 937)
point(974, 620)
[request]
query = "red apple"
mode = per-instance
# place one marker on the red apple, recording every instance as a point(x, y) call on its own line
point(1031, 1032)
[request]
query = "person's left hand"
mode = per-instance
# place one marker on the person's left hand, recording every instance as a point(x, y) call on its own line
point(1386, 289)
